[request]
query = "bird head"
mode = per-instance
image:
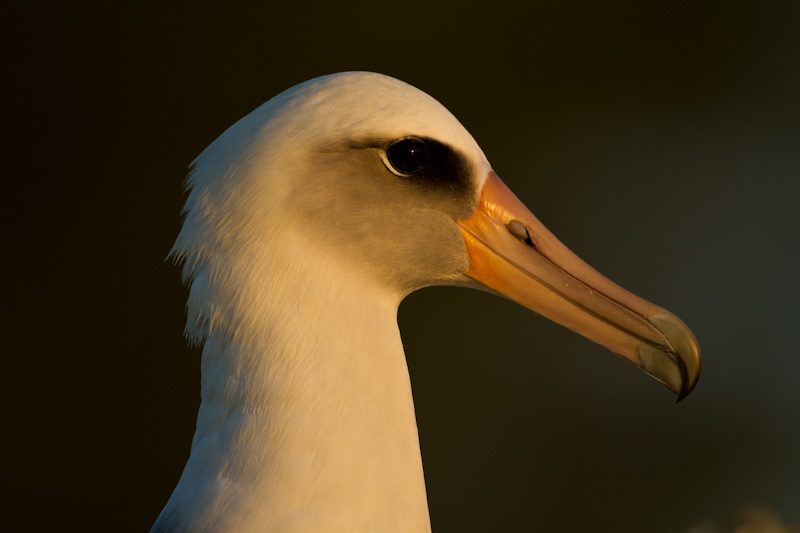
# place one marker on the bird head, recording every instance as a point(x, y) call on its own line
point(371, 177)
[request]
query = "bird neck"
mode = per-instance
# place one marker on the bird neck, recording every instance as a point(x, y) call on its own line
point(308, 424)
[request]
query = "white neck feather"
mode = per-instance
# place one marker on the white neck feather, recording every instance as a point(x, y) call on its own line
point(308, 424)
point(298, 246)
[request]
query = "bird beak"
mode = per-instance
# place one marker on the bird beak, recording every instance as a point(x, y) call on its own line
point(514, 254)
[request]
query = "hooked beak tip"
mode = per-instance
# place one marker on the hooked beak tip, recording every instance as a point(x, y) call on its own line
point(678, 365)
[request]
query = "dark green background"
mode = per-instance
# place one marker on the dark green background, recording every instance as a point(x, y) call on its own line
point(659, 140)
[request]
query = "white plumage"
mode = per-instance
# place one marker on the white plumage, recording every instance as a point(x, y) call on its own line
point(301, 239)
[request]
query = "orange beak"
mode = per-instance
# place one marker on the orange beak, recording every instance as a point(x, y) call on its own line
point(513, 253)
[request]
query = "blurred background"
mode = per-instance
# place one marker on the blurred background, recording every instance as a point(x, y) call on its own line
point(659, 140)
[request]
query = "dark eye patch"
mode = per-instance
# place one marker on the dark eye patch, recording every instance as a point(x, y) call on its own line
point(446, 169)
point(435, 165)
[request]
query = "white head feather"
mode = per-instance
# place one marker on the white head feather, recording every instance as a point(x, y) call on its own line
point(280, 178)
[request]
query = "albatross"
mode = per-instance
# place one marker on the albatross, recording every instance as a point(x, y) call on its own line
point(306, 224)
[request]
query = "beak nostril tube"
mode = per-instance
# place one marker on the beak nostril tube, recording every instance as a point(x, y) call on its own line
point(520, 231)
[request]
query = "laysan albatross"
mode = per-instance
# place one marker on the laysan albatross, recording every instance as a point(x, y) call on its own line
point(306, 224)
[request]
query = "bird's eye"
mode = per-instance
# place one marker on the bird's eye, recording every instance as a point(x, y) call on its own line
point(408, 156)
